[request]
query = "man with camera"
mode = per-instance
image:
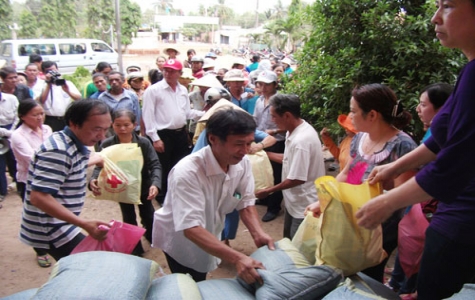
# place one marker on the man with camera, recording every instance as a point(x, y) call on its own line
point(56, 96)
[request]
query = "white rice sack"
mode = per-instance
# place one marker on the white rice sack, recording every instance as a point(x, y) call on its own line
point(223, 289)
point(174, 287)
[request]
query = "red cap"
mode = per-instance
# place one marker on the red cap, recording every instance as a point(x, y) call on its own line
point(173, 64)
point(346, 123)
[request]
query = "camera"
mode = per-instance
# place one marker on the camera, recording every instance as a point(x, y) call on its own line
point(55, 78)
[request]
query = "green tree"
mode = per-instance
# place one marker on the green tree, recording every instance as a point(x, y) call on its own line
point(100, 15)
point(28, 25)
point(57, 19)
point(130, 18)
point(359, 42)
point(6, 13)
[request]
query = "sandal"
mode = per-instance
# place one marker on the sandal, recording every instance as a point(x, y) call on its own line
point(43, 261)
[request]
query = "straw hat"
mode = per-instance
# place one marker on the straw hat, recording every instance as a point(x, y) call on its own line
point(171, 48)
point(346, 123)
point(187, 74)
point(208, 81)
point(221, 104)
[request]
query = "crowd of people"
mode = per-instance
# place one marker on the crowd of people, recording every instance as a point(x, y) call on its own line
point(220, 113)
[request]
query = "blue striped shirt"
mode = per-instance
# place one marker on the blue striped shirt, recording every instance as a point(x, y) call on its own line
point(58, 168)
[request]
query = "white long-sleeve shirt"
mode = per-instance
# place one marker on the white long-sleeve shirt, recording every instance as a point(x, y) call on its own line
point(164, 108)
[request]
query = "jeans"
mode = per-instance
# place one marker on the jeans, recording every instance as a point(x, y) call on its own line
point(446, 265)
point(231, 223)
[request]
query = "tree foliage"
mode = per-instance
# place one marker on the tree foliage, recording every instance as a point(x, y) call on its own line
point(28, 25)
point(359, 42)
point(100, 15)
point(130, 20)
point(6, 17)
point(57, 19)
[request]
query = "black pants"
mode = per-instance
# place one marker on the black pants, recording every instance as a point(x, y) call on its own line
point(56, 123)
point(274, 200)
point(176, 147)
point(66, 249)
point(146, 212)
point(176, 267)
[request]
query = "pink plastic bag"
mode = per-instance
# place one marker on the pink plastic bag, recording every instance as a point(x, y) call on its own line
point(411, 238)
point(122, 237)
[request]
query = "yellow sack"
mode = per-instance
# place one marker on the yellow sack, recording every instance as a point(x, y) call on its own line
point(120, 178)
point(261, 170)
point(338, 241)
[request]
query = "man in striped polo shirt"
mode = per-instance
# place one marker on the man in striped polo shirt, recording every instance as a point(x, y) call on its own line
point(56, 185)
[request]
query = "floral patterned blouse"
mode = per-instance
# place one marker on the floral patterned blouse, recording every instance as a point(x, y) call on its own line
point(362, 164)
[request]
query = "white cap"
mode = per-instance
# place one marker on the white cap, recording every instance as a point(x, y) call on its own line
point(208, 63)
point(267, 77)
point(207, 81)
point(234, 75)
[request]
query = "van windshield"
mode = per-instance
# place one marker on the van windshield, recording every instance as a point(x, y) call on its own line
point(41, 49)
point(6, 50)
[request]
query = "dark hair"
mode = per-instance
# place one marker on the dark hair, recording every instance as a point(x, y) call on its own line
point(98, 74)
point(47, 64)
point(80, 110)
point(25, 106)
point(35, 58)
point(383, 100)
point(122, 76)
point(124, 112)
point(30, 65)
point(101, 66)
point(438, 93)
point(5, 71)
point(154, 76)
point(229, 121)
point(283, 103)
point(255, 58)
point(190, 51)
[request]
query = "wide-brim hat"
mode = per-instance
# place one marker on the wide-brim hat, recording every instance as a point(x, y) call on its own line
point(187, 74)
point(286, 61)
point(171, 48)
point(221, 104)
point(239, 61)
point(208, 63)
point(234, 75)
point(208, 80)
point(134, 75)
point(346, 123)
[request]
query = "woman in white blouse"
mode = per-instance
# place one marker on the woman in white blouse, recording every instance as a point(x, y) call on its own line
point(25, 140)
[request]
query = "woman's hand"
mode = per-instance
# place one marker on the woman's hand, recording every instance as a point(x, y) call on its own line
point(383, 173)
point(314, 208)
point(374, 212)
point(96, 190)
point(152, 192)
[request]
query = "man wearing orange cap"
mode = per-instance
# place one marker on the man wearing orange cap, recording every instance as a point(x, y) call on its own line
point(166, 108)
point(341, 153)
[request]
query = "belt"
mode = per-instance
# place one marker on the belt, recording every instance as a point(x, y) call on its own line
point(178, 129)
point(54, 117)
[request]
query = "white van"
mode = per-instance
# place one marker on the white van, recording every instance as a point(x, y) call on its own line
point(67, 53)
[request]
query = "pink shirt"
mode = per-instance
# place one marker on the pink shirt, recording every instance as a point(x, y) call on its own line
point(24, 142)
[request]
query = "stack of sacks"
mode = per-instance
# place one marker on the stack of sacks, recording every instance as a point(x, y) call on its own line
point(111, 275)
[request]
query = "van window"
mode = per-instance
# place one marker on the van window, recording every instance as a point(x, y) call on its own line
point(72, 48)
point(101, 47)
point(6, 50)
point(41, 49)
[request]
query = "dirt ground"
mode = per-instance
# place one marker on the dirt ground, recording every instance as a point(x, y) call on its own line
point(19, 270)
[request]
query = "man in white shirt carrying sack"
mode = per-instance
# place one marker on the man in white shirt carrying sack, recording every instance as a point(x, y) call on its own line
point(204, 187)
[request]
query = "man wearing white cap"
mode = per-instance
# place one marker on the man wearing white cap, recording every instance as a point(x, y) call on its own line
point(208, 65)
point(166, 107)
point(267, 81)
point(240, 95)
point(197, 67)
point(197, 97)
point(171, 52)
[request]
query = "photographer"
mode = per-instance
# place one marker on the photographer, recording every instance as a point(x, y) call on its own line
point(56, 96)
